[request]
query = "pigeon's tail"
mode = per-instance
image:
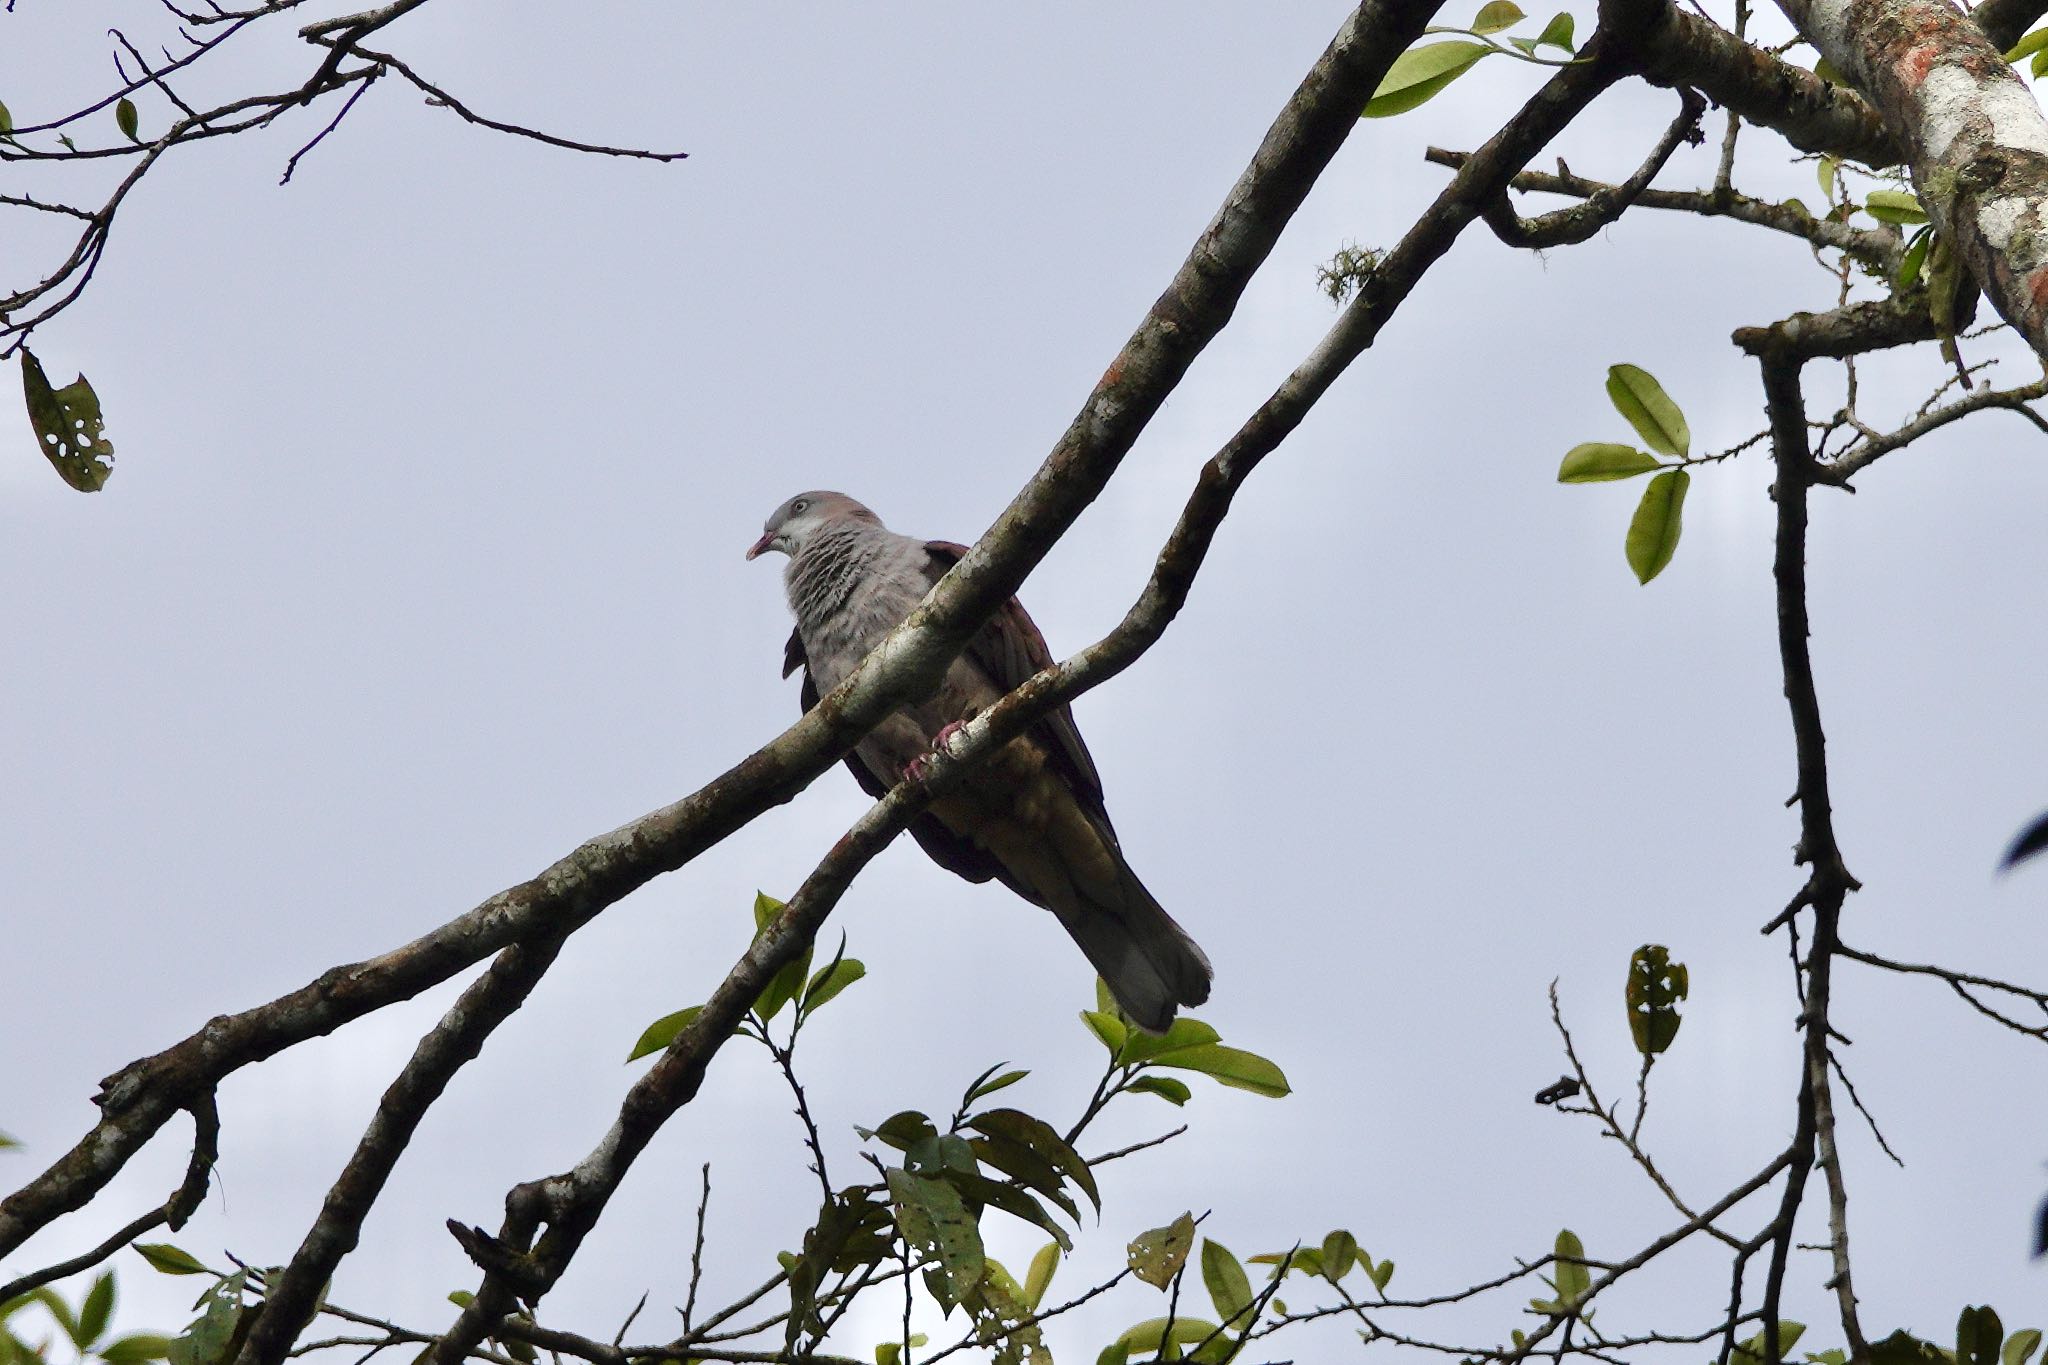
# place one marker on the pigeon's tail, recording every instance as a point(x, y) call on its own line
point(1148, 961)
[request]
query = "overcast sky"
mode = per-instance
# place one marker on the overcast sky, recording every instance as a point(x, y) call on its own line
point(421, 563)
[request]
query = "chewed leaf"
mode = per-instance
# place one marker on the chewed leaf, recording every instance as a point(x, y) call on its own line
point(68, 426)
point(1157, 1256)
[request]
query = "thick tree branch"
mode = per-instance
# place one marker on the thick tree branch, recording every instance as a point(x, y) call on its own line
point(569, 1204)
point(1204, 292)
point(1975, 140)
point(1676, 47)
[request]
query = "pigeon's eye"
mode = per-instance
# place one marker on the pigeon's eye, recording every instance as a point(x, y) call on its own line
point(799, 505)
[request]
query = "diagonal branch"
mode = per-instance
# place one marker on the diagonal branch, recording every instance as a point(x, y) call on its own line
point(136, 1101)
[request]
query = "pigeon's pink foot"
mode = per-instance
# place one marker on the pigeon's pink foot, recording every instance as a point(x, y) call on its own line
point(918, 768)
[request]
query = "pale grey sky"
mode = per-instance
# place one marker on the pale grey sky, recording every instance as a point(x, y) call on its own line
point(422, 562)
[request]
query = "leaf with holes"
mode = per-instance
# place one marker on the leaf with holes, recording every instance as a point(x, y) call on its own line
point(1157, 1256)
point(1653, 531)
point(1655, 986)
point(67, 426)
point(933, 1219)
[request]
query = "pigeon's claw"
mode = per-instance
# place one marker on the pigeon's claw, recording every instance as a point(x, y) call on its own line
point(920, 767)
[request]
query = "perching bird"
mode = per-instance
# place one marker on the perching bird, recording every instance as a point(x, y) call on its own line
point(1031, 814)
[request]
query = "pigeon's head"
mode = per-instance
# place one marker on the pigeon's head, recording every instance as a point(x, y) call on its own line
point(789, 526)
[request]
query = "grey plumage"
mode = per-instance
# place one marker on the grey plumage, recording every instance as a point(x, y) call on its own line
point(1031, 815)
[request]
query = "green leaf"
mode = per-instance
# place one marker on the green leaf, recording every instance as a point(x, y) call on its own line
point(984, 1088)
point(902, 1130)
point(1106, 1027)
point(1181, 1033)
point(1148, 1336)
point(1037, 1136)
point(1827, 170)
point(1420, 72)
point(1655, 986)
point(1232, 1066)
point(1038, 1279)
point(1751, 1352)
point(1157, 1256)
point(124, 116)
point(1653, 531)
point(889, 1352)
point(1914, 258)
point(6, 120)
point(829, 980)
point(784, 985)
point(1638, 396)
point(1340, 1253)
point(135, 1348)
point(2034, 42)
point(2040, 64)
point(1165, 1087)
point(1558, 32)
point(461, 1298)
point(1381, 1274)
point(1116, 1353)
point(1497, 15)
point(663, 1031)
point(2020, 1345)
point(1026, 1167)
point(1825, 69)
point(96, 1311)
point(8, 1143)
point(933, 1219)
point(1229, 1288)
point(68, 426)
point(1894, 206)
point(1603, 461)
point(207, 1339)
point(169, 1259)
point(1979, 1334)
point(1573, 1279)
point(1011, 1200)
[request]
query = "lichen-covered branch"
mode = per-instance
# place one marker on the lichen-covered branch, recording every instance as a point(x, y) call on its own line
point(1973, 136)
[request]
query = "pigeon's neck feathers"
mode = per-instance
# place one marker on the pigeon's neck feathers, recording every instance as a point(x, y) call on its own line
point(852, 581)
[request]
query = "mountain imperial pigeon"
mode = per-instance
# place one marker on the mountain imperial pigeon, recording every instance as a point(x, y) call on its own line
point(1031, 814)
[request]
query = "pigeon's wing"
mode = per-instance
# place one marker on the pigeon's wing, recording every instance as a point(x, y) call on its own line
point(957, 855)
point(1009, 650)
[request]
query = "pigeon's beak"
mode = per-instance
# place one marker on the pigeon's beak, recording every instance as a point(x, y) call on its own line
point(761, 546)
